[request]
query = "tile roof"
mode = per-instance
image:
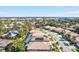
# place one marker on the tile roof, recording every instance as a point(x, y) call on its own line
point(39, 46)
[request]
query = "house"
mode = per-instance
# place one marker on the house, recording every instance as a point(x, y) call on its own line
point(59, 30)
point(10, 34)
point(38, 35)
point(71, 34)
point(39, 46)
point(4, 43)
point(47, 27)
point(77, 39)
point(38, 42)
point(71, 29)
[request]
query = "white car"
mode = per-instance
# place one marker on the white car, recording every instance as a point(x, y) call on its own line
point(66, 43)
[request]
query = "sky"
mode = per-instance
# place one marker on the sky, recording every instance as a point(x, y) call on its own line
point(39, 11)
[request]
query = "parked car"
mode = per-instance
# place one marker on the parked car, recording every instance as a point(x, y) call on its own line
point(66, 43)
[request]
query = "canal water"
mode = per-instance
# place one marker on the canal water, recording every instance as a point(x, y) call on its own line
point(28, 39)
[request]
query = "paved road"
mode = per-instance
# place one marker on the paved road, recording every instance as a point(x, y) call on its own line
point(65, 48)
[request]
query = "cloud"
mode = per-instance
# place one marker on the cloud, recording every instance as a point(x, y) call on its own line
point(67, 13)
point(25, 13)
point(72, 12)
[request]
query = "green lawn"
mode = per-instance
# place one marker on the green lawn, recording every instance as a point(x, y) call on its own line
point(77, 49)
point(20, 43)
